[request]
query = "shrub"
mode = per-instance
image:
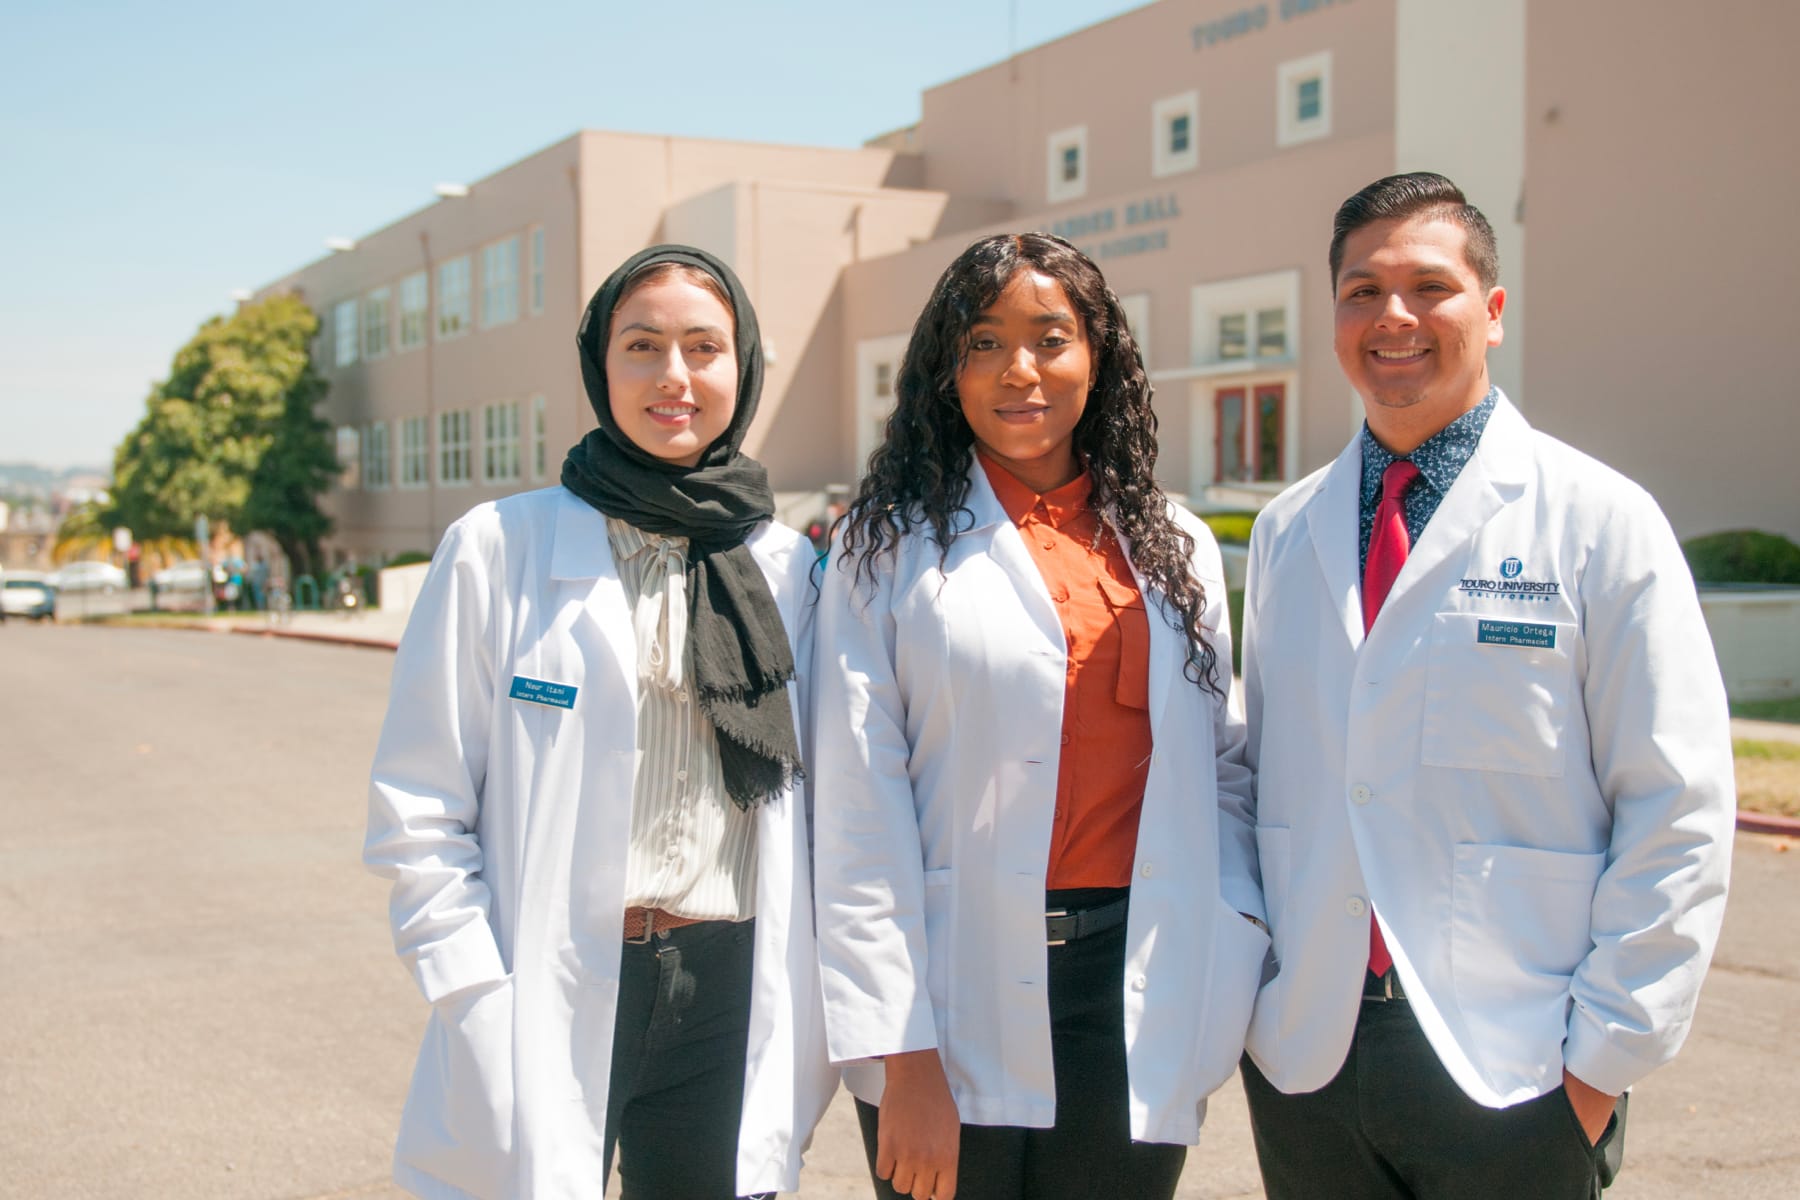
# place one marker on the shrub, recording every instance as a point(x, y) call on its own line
point(1743, 556)
point(407, 558)
point(1229, 527)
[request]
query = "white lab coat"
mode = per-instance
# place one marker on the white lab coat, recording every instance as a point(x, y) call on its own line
point(1544, 831)
point(504, 826)
point(939, 715)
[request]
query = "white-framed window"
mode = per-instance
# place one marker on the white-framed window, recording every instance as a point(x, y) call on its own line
point(375, 457)
point(877, 375)
point(413, 298)
point(1245, 322)
point(415, 453)
point(536, 240)
point(453, 447)
point(540, 447)
point(1175, 134)
point(1067, 164)
point(1303, 99)
point(375, 323)
point(349, 456)
point(343, 325)
point(500, 442)
point(453, 298)
point(500, 282)
point(1137, 319)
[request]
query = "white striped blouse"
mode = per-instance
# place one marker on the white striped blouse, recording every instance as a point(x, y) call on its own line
point(692, 851)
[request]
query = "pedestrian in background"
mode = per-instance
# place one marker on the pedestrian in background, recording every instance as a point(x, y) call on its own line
point(587, 792)
point(1494, 775)
point(1034, 841)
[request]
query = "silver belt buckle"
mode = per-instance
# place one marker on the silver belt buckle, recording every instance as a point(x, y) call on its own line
point(1061, 912)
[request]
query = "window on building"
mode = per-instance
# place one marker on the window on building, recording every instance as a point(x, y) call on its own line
point(537, 271)
point(1303, 99)
point(375, 323)
point(415, 453)
point(1250, 433)
point(500, 442)
point(1174, 132)
point(1068, 164)
point(877, 375)
point(375, 456)
point(343, 324)
point(1137, 319)
point(412, 311)
point(1247, 320)
point(453, 447)
point(453, 298)
point(540, 447)
point(500, 283)
point(349, 456)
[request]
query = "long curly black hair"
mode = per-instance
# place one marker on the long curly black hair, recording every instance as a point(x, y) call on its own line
point(918, 477)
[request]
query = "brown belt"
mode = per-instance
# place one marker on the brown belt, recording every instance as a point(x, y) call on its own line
point(641, 923)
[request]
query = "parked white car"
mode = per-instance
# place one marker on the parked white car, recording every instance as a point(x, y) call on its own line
point(89, 577)
point(180, 585)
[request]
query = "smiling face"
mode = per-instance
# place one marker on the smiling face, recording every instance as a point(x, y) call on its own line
point(1413, 327)
point(1024, 382)
point(671, 368)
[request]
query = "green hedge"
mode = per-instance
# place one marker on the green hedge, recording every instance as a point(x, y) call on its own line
point(1743, 556)
point(407, 558)
point(1229, 527)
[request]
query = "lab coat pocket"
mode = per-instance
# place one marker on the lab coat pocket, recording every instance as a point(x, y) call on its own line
point(459, 1121)
point(1521, 921)
point(1239, 951)
point(1497, 694)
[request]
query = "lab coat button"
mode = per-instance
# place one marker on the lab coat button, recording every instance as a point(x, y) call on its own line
point(1356, 906)
point(681, 697)
point(1139, 983)
point(672, 852)
point(1146, 870)
point(1361, 793)
point(681, 776)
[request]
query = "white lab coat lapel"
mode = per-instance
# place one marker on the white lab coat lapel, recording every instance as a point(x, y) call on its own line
point(1008, 549)
point(1331, 520)
point(1492, 478)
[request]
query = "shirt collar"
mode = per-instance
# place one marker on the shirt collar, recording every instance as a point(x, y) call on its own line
point(628, 541)
point(1058, 506)
point(1440, 457)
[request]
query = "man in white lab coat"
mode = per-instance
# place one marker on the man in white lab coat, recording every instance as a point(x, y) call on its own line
point(1494, 776)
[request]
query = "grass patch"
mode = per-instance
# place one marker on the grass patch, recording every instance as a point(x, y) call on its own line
point(1769, 710)
point(1768, 776)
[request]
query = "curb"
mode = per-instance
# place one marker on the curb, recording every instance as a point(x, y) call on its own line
point(1755, 822)
point(337, 639)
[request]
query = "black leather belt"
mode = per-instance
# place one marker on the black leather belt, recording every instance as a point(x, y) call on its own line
point(1061, 926)
point(1382, 987)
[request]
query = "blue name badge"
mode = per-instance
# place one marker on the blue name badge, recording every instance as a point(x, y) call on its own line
point(542, 691)
point(1516, 633)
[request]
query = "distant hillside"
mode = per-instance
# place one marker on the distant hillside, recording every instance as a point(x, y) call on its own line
point(30, 477)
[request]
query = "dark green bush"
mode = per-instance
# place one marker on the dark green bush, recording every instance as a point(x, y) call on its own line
point(1743, 556)
point(407, 558)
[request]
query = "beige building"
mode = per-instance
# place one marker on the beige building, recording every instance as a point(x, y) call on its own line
point(1197, 149)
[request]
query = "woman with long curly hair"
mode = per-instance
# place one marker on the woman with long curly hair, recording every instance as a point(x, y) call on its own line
point(1039, 910)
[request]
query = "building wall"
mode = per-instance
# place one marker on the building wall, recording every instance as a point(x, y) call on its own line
point(1664, 266)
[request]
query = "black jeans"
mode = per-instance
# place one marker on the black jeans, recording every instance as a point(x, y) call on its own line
point(676, 1093)
point(1088, 1154)
point(1393, 1125)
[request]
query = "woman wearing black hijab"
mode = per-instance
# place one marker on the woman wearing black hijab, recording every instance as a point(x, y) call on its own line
point(587, 792)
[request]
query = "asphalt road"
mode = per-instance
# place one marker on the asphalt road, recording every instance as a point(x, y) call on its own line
point(201, 1001)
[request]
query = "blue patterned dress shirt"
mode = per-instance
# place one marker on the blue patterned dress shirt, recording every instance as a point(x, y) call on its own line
point(1440, 459)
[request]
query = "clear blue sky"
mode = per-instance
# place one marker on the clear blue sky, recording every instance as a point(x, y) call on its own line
point(155, 157)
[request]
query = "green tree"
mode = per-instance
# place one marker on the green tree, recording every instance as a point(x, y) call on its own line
point(232, 434)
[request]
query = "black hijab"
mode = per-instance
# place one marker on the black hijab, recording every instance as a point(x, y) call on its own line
point(741, 657)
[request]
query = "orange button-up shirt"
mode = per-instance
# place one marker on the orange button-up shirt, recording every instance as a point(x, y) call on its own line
point(1106, 741)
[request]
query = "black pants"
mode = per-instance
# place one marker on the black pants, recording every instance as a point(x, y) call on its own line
point(677, 1088)
point(1089, 1154)
point(1393, 1125)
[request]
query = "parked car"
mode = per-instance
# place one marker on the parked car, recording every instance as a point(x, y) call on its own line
point(89, 577)
point(27, 594)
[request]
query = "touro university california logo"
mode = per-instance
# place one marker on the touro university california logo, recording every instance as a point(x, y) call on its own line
point(1510, 585)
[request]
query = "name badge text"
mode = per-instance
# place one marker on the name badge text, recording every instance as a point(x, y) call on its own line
point(1516, 633)
point(542, 691)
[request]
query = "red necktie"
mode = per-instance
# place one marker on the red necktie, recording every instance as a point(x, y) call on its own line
point(1388, 545)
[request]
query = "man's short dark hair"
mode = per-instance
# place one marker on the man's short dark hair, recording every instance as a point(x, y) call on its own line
point(1419, 194)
